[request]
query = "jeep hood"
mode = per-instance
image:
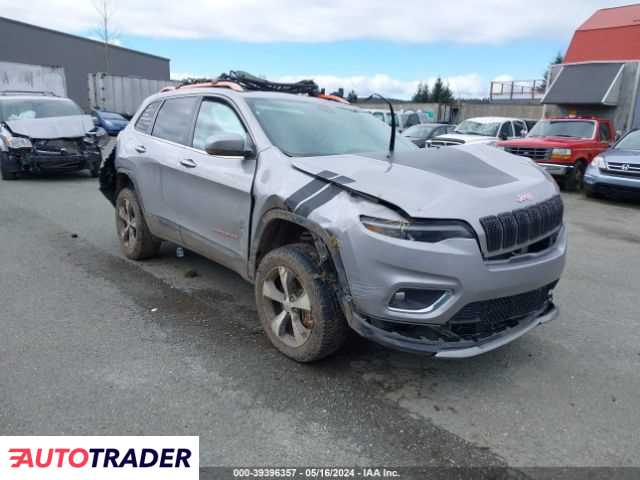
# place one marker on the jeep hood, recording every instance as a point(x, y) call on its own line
point(462, 182)
point(52, 127)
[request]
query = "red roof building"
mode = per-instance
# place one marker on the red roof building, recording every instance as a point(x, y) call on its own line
point(610, 34)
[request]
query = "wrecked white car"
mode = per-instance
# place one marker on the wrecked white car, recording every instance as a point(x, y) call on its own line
point(42, 133)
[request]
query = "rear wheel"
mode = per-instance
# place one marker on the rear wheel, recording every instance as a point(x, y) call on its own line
point(136, 241)
point(297, 307)
point(574, 180)
point(4, 168)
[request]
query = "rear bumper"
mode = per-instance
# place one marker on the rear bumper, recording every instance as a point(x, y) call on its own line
point(447, 348)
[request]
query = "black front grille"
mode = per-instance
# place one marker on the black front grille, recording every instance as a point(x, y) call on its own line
point(485, 318)
point(532, 153)
point(514, 229)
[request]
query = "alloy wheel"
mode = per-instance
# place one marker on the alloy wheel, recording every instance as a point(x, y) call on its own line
point(127, 222)
point(291, 320)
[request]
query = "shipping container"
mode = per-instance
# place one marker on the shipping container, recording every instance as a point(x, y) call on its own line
point(120, 94)
point(23, 77)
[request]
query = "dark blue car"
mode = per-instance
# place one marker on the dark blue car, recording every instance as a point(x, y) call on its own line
point(616, 171)
point(112, 122)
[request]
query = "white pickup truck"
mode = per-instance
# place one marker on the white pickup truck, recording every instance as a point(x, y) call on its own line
point(486, 130)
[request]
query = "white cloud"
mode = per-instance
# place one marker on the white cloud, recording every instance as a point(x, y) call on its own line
point(463, 86)
point(465, 21)
point(470, 85)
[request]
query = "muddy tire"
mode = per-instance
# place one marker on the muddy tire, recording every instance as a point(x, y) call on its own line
point(4, 171)
point(94, 171)
point(136, 241)
point(574, 180)
point(297, 306)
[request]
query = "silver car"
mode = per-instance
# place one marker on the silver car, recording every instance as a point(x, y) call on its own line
point(450, 252)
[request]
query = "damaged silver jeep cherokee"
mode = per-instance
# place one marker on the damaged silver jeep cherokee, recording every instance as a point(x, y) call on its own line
point(43, 133)
point(450, 252)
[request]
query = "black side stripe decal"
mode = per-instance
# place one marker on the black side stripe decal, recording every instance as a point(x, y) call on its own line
point(300, 195)
point(342, 180)
point(320, 199)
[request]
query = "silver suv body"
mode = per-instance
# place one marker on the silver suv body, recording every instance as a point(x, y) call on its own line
point(450, 252)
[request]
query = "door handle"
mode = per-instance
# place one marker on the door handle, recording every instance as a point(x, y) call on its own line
point(141, 149)
point(188, 163)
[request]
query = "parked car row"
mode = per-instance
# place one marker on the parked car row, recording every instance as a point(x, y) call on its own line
point(566, 147)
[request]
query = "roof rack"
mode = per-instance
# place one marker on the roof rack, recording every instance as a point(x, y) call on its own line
point(242, 82)
point(27, 92)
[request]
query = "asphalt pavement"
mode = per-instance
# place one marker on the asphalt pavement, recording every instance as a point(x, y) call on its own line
point(94, 344)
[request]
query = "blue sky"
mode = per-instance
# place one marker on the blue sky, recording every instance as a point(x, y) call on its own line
point(367, 45)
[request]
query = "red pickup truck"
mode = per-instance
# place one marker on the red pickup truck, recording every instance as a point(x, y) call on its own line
point(564, 146)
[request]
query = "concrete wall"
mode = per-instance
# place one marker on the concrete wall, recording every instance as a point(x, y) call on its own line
point(472, 109)
point(24, 43)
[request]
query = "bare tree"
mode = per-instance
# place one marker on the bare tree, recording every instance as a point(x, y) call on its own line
point(106, 31)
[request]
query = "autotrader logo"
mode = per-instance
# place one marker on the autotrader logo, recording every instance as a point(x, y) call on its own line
point(100, 457)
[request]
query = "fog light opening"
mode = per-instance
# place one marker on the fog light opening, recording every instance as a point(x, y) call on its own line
point(414, 300)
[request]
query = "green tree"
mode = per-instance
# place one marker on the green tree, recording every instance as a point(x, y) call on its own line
point(352, 97)
point(558, 59)
point(422, 94)
point(441, 93)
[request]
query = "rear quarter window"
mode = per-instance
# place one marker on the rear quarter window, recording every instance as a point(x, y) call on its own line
point(144, 123)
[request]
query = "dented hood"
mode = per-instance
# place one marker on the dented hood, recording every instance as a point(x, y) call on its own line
point(465, 182)
point(52, 127)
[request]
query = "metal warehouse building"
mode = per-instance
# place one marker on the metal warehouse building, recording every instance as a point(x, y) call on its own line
point(601, 70)
point(25, 43)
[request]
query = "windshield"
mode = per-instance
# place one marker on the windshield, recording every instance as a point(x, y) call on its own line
point(563, 128)
point(30, 108)
point(303, 128)
point(472, 127)
point(630, 142)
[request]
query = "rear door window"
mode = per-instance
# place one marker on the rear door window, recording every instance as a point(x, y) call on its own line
point(519, 128)
point(412, 119)
point(506, 131)
point(175, 119)
point(605, 133)
point(144, 123)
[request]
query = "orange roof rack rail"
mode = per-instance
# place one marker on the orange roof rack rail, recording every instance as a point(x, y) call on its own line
point(241, 82)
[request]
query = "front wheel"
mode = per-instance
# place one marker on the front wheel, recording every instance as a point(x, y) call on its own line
point(574, 181)
point(296, 305)
point(4, 168)
point(136, 241)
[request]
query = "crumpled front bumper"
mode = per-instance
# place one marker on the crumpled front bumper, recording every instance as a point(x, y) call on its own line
point(451, 349)
point(34, 162)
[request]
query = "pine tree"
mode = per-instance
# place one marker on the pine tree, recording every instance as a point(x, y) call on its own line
point(558, 59)
point(352, 97)
point(422, 94)
point(441, 93)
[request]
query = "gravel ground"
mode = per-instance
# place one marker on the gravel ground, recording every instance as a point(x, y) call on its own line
point(95, 344)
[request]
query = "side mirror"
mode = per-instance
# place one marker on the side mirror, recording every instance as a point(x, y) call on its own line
point(229, 144)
